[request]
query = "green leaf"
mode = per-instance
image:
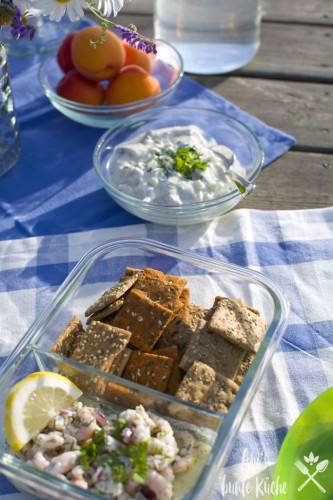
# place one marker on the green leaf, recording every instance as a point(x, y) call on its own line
point(185, 160)
point(240, 188)
point(119, 473)
point(138, 458)
point(89, 452)
point(121, 424)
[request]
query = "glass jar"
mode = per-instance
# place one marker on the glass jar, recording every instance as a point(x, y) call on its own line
point(214, 36)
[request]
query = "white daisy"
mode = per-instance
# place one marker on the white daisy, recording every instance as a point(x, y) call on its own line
point(108, 7)
point(56, 9)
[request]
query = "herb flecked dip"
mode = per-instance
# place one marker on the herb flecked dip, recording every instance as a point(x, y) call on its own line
point(170, 166)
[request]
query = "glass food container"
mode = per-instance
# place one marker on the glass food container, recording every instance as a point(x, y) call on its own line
point(99, 269)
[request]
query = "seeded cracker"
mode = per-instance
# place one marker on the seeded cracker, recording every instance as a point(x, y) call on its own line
point(204, 386)
point(120, 361)
point(184, 310)
point(237, 301)
point(150, 370)
point(104, 343)
point(144, 318)
point(238, 324)
point(244, 366)
point(107, 311)
point(196, 313)
point(159, 287)
point(176, 375)
point(65, 343)
point(129, 271)
point(213, 350)
point(112, 295)
point(178, 332)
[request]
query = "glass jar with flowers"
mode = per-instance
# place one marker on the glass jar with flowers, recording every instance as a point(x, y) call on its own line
point(15, 23)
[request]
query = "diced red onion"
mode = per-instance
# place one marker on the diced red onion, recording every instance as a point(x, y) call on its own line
point(99, 475)
point(63, 412)
point(149, 494)
point(99, 418)
point(127, 433)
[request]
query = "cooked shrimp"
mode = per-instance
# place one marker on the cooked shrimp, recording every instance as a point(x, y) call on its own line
point(63, 463)
point(80, 482)
point(50, 441)
point(182, 464)
point(110, 487)
point(159, 485)
point(140, 433)
point(137, 417)
point(77, 472)
point(40, 461)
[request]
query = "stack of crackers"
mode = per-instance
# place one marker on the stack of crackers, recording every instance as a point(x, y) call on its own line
point(146, 329)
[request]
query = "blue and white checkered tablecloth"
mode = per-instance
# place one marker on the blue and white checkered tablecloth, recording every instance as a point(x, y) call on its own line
point(294, 248)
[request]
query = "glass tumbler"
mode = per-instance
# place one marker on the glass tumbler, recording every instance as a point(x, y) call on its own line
point(212, 36)
point(10, 143)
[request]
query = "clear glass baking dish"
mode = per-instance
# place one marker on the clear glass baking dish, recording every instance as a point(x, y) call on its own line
point(95, 272)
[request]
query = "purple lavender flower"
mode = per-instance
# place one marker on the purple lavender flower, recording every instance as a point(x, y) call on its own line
point(135, 39)
point(12, 16)
point(19, 26)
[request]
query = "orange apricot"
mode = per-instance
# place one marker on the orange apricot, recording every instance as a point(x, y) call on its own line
point(101, 62)
point(76, 87)
point(137, 57)
point(132, 83)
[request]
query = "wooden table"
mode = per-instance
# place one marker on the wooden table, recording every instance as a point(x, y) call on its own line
point(288, 85)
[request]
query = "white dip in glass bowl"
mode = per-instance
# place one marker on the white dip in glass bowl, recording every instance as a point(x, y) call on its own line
point(159, 165)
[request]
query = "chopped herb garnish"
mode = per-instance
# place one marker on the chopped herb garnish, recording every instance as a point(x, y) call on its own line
point(121, 424)
point(138, 457)
point(119, 473)
point(185, 160)
point(90, 451)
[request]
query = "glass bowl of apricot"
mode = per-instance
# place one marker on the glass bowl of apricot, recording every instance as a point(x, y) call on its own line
point(101, 86)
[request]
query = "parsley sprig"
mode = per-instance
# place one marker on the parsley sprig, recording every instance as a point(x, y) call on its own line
point(121, 424)
point(185, 160)
point(89, 452)
point(137, 455)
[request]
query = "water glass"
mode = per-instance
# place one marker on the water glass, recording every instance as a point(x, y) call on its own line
point(212, 36)
point(10, 144)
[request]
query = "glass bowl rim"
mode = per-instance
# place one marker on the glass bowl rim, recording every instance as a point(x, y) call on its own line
point(105, 109)
point(130, 200)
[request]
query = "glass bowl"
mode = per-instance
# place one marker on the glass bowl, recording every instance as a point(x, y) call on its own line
point(167, 68)
point(216, 126)
point(95, 272)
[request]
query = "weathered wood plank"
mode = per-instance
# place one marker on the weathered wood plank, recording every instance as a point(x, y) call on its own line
point(296, 52)
point(298, 11)
point(294, 181)
point(303, 110)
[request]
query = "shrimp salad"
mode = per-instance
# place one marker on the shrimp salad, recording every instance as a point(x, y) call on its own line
point(130, 455)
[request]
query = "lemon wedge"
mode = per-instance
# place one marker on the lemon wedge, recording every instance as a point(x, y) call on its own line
point(32, 402)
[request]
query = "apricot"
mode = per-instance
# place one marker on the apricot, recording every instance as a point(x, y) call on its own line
point(132, 83)
point(101, 62)
point(64, 53)
point(137, 57)
point(76, 87)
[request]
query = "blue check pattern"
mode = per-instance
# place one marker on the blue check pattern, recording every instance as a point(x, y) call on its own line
point(294, 248)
